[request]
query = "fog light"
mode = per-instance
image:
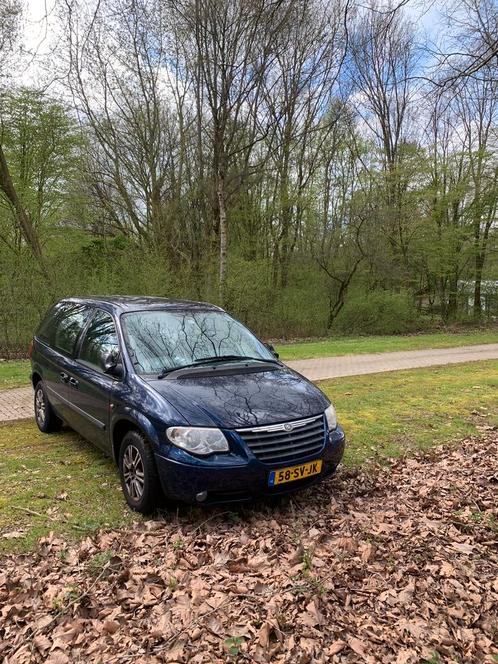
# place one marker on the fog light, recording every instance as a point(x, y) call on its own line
point(201, 496)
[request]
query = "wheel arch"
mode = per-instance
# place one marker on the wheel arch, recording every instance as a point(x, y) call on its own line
point(123, 424)
point(35, 378)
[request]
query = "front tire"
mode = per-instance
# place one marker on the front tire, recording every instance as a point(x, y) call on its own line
point(137, 469)
point(46, 420)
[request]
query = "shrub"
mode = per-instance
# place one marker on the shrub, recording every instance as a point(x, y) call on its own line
point(378, 312)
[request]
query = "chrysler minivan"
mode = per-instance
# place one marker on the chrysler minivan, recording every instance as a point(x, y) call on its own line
point(187, 401)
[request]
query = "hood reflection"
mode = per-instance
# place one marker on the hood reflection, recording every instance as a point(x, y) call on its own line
point(243, 399)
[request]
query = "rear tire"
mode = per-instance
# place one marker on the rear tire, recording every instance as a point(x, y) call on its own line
point(46, 420)
point(138, 472)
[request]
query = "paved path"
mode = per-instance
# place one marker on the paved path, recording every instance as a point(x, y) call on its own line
point(355, 365)
point(17, 404)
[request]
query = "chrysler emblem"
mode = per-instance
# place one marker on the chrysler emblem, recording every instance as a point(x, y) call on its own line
point(288, 427)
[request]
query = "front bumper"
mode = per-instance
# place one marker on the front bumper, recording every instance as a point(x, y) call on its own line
point(236, 481)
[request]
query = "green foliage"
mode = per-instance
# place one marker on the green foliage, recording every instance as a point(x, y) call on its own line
point(343, 231)
point(307, 560)
point(99, 267)
point(99, 561)
point(233, 644)
point(379, 312)
point(298, 310)
point(23, 300)
point(178, 544)
point(42, 145)
point(434, 659)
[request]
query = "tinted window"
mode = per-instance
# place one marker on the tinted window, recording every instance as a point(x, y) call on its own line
point(63, 325)
point(100, 339)
point(46, 330)
point(160, 340)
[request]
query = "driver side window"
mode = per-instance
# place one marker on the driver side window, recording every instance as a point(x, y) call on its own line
point(100, 339)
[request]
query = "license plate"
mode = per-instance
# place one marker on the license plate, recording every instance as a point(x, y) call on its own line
point(293, 473)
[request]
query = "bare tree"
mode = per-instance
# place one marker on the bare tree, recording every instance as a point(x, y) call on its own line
point(229, 47)
point(339, 243)
point(115, 57)
point(462, 187)
point(298, 93)
point(10, 14)
point(474, 54)
point(477, 106)
point(383, 59)
point(445, 252)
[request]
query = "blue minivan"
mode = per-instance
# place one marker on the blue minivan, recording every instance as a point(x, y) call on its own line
point(185, 398)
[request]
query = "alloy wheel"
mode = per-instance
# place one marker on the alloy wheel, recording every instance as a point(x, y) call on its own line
point(133, 473)
point(40, 407)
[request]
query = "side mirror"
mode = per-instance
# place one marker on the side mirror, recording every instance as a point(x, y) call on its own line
point(272, 350)
point(113, 365)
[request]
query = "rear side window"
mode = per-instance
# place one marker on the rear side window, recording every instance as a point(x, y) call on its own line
point(99, 341)
point(46, 331)
point(62, 327)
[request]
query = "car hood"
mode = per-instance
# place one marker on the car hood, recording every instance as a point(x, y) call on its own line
point(242, 399)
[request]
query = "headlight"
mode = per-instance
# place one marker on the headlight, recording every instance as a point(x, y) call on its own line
point(197, 439)
point(331, 417)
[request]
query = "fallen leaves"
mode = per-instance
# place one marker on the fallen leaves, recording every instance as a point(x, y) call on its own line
point(13, 534)
point(358, 647)
point(397, 565)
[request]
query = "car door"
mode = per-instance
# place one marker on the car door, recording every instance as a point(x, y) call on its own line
point(90, 388)
point(58, 336)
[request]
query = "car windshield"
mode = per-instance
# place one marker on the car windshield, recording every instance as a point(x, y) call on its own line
point(160, 341)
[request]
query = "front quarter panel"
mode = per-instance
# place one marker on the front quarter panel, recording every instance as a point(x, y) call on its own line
point(138, 404)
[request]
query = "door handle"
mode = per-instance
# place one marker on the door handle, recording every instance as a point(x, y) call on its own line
point(73, 382)
point(64, 376)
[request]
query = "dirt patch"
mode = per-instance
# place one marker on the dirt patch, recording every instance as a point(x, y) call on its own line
point(395, 565)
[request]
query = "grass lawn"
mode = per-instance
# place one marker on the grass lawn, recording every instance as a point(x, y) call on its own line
point(388, 414)
point(63, 484)
point(352, 345)
point(55, 482)
point(14, 374)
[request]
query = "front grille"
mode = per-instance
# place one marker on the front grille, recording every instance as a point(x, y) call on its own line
point(273, 443)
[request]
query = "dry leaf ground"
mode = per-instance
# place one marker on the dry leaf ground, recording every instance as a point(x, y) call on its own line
point(396, 564)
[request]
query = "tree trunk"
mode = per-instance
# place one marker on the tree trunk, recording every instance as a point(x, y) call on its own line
point(24, 222)
point(477, 309)
point(452, 308)
point(285, 215)
point(222, 220)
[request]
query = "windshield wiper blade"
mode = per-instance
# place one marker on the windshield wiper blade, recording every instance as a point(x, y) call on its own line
point(168, 370)
point(215, 358)
point(233, 358)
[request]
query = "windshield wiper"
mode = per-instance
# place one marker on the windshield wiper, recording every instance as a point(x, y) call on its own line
point(233, 358)
point(168, 370)
point(215, 358)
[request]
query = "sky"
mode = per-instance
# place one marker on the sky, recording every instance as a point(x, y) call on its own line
point(40, 32)
point(38, 19)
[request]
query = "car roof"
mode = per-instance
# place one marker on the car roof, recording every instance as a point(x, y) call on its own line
point(124, 303)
